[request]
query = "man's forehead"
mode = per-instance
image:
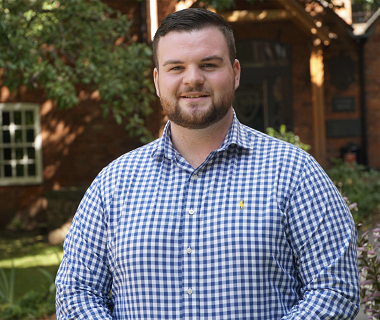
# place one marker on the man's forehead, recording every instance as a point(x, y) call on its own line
point(169, 40)
point(192, 32)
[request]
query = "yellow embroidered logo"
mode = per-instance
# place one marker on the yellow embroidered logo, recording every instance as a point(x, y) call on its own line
point(241, 204)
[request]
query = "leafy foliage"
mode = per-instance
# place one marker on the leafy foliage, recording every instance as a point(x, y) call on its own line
point(33, 304)
point(7, 286)
point(369, 273)
point(56, 45)
point(220, 4)
point(230, 4)
point(359, 184)
point(366, 3)
point(288, 136)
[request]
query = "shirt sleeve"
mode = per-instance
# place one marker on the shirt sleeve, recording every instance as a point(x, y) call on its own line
point(84, 280)
point(323, 236)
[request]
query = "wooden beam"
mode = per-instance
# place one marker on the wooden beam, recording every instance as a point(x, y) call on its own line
point(301, 17)
point(318, 101)
point(256, 15)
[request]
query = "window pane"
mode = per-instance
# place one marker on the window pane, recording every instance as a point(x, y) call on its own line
point(19, 127)
point(249, 105)
point(7, 154)
point(6, 136)
point(31, 153)
point(259, 54)
point(17, 117)
point(31, 169)
point(18, 136)
point(30, 135)
point(19, 153)
point(20, 170)
point(8, 170)
point(6, 120)
point(29, 118)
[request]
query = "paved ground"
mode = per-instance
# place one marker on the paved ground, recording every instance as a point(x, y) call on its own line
point(361, 315)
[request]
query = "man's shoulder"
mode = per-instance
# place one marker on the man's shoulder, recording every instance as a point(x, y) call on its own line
point(261, 143)
point(139, 158)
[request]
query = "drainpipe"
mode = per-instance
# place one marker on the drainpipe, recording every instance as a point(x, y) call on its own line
point(364, 154)
point(143, 27)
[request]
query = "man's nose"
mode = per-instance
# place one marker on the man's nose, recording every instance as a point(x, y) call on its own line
point(193, 76)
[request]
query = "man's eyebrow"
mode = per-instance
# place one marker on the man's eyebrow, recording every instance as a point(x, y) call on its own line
point(214, 57)
point(209, 58)
point(172, 62)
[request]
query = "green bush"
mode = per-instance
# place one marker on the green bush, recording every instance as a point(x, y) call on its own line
point(369, 273)
point(33, 304)
point(7, 286)
point(360, 185)
point(288, 136)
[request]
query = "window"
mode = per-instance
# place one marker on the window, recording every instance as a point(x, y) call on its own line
point(20, 144)
point(264, 96)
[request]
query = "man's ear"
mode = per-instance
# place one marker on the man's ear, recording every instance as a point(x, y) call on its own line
point(237, 71)
point(155, 78)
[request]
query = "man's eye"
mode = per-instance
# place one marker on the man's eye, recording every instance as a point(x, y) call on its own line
point(176, 68)
point(209, 65)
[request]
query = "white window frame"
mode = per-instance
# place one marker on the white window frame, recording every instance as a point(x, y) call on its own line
point(13, 145)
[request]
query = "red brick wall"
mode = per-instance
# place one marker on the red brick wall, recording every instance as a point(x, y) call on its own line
point(165, 7)
point(76, 143)
point(372, 80)
point(343, 45)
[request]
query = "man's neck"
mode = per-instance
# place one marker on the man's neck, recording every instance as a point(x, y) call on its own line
point(196, 144)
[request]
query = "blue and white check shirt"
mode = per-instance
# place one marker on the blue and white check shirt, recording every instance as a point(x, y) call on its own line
point(257, 231)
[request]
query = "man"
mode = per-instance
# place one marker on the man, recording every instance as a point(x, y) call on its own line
point(214, 220)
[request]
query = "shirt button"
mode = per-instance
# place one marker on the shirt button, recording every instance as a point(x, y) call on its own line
point(188, 250)
point(189, 291)
point(191, 211)
point(195, 177)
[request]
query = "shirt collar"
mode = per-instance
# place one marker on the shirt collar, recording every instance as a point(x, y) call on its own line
point(236, 135)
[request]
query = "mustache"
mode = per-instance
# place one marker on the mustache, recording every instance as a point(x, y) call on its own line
point(199, 89)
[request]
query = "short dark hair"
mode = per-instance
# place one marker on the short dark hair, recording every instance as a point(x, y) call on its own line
point(194, 19)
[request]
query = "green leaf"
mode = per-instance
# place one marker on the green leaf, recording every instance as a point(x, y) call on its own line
point(58, 45)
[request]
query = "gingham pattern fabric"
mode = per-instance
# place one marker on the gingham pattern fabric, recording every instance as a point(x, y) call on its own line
point(257, 231)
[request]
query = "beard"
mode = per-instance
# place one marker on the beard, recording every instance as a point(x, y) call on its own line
point(194, 117)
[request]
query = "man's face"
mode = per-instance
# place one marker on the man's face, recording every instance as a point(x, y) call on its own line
point(195, 82)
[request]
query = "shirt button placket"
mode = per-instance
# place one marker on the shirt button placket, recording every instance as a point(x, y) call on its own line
point(190, 242)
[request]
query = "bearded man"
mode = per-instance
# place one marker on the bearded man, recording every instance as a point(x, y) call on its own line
point(213, 220)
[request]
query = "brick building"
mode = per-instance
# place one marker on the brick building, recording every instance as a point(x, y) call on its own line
point(303, 65)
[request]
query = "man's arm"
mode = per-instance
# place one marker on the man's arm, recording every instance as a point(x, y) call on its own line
point(323, 237)
point(84, 281)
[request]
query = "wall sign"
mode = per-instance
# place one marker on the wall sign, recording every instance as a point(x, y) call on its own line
point(343, 128)
point(343, 104)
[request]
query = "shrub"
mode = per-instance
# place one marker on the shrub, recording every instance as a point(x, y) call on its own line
point(7, 286)
point(34, 304)
point(359, 184)
point(369, 273)
point(288, 136)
